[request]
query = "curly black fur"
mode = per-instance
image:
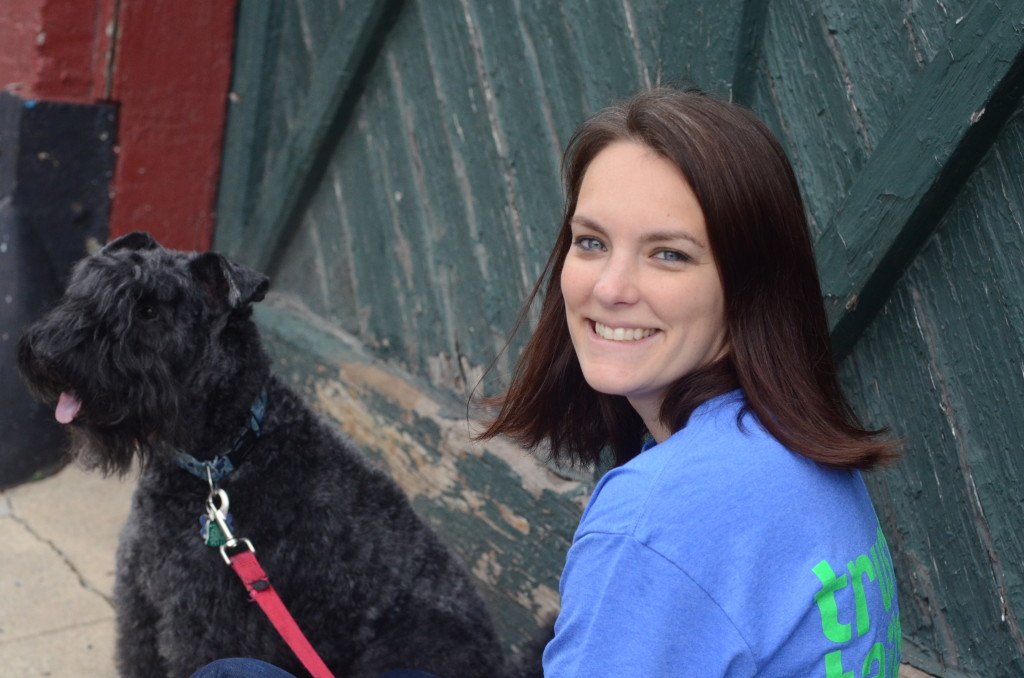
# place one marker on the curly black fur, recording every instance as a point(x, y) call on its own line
point(160, 348)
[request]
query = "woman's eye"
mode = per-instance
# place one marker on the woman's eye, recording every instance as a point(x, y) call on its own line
point(672, 256)
point(587, 243)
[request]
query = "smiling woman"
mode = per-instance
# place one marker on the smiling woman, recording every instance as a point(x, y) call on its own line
point(683, 328)
point(643, 300)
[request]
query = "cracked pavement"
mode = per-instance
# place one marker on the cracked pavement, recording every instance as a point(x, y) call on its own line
point(59, 538)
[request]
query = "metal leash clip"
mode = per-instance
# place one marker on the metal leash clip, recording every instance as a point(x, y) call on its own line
point(218, 515)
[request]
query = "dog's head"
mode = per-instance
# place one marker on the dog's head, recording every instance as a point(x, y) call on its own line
point(141, 339)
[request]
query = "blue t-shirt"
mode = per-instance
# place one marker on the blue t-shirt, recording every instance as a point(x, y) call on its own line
point(721, 553)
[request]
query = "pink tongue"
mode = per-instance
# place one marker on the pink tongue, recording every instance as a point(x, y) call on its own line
point(67, 408)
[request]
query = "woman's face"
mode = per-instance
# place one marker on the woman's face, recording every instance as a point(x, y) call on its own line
point(643, 298)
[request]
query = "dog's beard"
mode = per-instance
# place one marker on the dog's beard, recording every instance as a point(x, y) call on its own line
point(111, 428)
point(111, 451)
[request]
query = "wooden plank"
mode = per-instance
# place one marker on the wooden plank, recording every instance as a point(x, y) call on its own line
point(411, 257)
point(709, 44)
point(956, 110)
point(446, 279)
point(363, 203)
point(256, 51)
point(878, 66)
point(478, 152)
point(308, 269)
point(171, 79)
point(293, 82)
point(317, 18)
point(930, 26)
point(600, 35)
point(352, 45)
point(748, 50)
point(943, 363)
point(818, 123)
point(558, 64)
point(521, 115)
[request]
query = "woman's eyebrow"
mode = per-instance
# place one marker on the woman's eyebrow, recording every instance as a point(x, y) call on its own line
point(649, 237)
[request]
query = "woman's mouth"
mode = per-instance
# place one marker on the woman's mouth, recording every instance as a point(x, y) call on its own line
point(621, 333)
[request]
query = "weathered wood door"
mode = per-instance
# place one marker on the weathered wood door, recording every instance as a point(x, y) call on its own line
point(394, 167)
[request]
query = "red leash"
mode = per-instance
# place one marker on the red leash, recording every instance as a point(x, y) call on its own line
point(248, 569)
point(256, 583)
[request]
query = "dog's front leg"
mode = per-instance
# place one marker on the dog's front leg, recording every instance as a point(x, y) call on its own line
point(137, 652)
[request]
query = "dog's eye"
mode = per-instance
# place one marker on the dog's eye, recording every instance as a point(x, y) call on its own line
point(147, 311)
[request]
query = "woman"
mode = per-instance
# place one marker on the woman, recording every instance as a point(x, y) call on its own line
point(683, 330)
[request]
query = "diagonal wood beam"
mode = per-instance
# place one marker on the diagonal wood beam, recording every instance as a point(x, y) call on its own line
point(959, 104)
point(256, 51)
point(336, 84)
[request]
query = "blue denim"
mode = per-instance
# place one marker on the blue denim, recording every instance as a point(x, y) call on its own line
point(241, 668)
point(254, 668)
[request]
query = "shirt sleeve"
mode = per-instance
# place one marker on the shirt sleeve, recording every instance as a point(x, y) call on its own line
point(627, 611)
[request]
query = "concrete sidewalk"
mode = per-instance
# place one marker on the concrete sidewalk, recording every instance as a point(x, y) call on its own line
point(58, 539)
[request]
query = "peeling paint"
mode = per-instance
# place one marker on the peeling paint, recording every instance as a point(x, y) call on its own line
point(389, 385)
point(544, 600)
point(361, 424)
point(338, 399)
point(520, 523)
point(488, 568)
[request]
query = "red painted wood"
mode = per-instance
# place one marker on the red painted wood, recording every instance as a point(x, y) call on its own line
point(48, 48)
point(20, 23)
point(172, 73)
point(68, 39)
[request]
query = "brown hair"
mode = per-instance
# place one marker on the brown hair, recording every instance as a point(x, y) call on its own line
point(779, 348)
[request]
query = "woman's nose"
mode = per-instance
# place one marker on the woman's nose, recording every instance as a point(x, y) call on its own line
point(617, 283)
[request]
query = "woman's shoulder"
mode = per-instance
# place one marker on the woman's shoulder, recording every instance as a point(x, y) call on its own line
point(759, 529)
point(722, 470)
point(726, 454)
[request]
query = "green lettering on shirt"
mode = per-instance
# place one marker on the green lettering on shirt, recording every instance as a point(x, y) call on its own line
point(834, 666)
point(826, 600)
point(858, 568)
point(875, 656)
point(882, 658)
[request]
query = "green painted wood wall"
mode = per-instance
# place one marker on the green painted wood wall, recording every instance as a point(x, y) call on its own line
point(393, 165)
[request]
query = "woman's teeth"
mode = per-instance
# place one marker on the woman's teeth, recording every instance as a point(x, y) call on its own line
point(621, 333)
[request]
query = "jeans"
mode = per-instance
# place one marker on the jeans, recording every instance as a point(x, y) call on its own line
point(254, 668)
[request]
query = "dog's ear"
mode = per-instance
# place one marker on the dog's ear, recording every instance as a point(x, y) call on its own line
point(138, 240)
point(225, 284)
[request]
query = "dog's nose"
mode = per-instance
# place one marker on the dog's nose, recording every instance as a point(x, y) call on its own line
point(34, 355)
point(25, 352)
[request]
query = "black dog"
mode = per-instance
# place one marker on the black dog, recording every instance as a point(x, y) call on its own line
point(152, 355)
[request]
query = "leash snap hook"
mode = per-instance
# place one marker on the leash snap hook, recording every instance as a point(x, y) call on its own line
point(218, 514)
